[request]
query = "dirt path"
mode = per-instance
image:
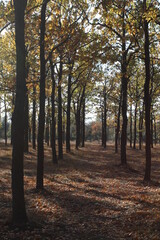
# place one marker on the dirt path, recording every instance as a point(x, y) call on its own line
point(87, 196)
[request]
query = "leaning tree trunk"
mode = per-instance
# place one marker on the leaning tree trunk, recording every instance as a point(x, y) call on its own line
point(147, 100)
point(19, 216)
point(40, 160)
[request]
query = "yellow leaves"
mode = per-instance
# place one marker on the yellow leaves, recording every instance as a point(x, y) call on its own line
point(150, 14)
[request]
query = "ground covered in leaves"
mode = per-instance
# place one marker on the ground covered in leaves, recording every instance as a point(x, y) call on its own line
point(88, 195)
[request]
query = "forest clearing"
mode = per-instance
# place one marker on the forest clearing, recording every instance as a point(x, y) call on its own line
point(88, 195)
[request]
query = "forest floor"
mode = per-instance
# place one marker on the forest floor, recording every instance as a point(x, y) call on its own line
point(88, 195)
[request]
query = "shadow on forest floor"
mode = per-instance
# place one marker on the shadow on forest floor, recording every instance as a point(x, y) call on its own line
point(88, 195)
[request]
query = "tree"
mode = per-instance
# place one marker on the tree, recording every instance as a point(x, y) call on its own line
point(147, 98)
point(40, 160)
point(19, 216)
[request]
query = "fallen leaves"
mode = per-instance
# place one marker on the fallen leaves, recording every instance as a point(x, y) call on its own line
point(87, 196)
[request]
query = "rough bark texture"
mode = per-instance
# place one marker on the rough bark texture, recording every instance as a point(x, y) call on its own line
point(40, 160)
point(19, 216)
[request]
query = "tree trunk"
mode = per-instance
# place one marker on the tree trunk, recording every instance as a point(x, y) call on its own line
point(19, 216)
point(124, 96)
point(135, 126)
point(152, 129)
point(118, 124)
point(53, 128)
point(68, 147)
point(105, 116)
point(60, 130)
point(147, 100)
point(34, 119)
point(13, 104)
point(83, 123)
point(5, 121)
point(26, 123)
point(40, 162)
point(47, 124)
point(131, 125)
point(102, 128)
point(155, 131)
point(78, 126)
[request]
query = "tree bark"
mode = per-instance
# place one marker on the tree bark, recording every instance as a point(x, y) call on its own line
point(26, 123)
point(135, 126)
point(60, 127)
point(53, 128)
point(118, 124)
point(68, 147)
point(83, 122)
point(124, 95)
point(147, 100)
point(47, 124)
point(131, 125)
point(105, 117)
point(19, 216)
point(5, 122)
point(34, 119)
point(40, 160)
point(78, 126)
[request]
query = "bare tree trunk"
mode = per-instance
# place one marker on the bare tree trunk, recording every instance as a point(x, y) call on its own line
point(124, 95)
point(118, 124)
point(34, 119)
point(147, 100)
point(53, 128)
point(131, 125)
point(19, 216)
point(155, 131)
point(5, 121)
point(83, 122)
point(135, 126)
point(60, 134)
point(105, 117)
point(26, 126)
point(40, 162)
